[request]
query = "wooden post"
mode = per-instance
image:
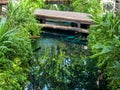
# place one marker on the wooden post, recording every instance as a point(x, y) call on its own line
point(78, 25)
point(43, 20)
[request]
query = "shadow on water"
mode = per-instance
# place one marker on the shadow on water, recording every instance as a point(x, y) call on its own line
point(62, 63)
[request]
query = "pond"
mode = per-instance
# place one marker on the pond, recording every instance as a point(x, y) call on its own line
point(62, 63)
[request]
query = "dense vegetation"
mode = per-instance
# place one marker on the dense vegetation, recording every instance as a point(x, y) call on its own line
point(15, 46)
point(104, 43)
point(86, 6)
point(56, 67)
point(15, 52)
point(63, 67)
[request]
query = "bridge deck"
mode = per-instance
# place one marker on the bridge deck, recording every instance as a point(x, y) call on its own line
point(64, 15)
point(78, 18)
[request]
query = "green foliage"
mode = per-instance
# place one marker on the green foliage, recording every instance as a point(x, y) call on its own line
point(60, 7)
point(15, 46)
point(33, 4)
point(21, 17)
point(115, 76)
point(104, 41)
point(86, 6)
point(15, 52)
point(63, 67)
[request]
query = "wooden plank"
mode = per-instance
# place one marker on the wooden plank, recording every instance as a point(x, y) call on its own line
point(34, 37)
point(67, 28)
point(3, 2)
point(64, 15)
point(58, 1)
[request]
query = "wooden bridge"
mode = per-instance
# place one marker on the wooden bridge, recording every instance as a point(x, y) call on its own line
point(78, 18)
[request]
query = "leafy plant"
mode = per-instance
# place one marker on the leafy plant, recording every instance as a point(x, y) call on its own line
point(63, 66)
point(104, 42)
point(15, 52)
point(86, 6)
point(33, 4)
point(60, 7)
point(15, 46)
point(21, 17)
point(115, 75)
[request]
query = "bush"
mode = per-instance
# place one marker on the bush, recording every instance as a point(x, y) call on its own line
point(104, 41)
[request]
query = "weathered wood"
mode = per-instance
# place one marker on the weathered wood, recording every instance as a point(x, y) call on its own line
point(64, 15)
point(78, 18)
point(52, 33)
point(34, 37)
point(67, 28)
point(3, 2)
point(58, 1)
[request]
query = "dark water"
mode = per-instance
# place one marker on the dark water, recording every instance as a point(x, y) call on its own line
point(62, 63)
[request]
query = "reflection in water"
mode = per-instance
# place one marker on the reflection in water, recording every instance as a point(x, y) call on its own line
point(62, 66)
